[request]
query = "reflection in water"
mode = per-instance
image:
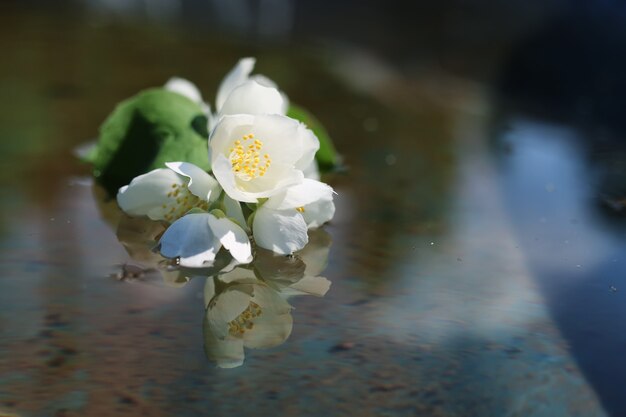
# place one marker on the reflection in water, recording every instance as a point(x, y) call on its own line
point(246, 305)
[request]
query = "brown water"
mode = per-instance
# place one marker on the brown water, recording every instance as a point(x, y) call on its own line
point(465, 281)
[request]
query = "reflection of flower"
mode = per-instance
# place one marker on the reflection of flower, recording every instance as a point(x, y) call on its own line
point(168, 193)
point(248, 306)
point(258, 156)
point(246, 313)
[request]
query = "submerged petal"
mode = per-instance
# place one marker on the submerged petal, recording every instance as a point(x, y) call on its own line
point(273, 326)
point(226, 307)
point(317, 286)
point(281, 231)
point(226, 352)
point(190, 239)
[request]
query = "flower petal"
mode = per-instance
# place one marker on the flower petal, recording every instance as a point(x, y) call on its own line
point(227, 352)
point(317, 286)
point(226, 177)
point(233, 237)
point(237, 76)
point(185, 88)
point(310, 145)
point(266, 82)
point(282, 231)
point(275, 323)
point(318, 213)
point(146, 193)
point(311, 171)
point(201, 184)
point(227, 306)
point(315, 253)
point(191, 239)
point(253, 98)
point(232, 208)
point(307, 192)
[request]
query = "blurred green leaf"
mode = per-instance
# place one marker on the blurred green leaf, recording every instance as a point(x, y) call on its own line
point(327, 157)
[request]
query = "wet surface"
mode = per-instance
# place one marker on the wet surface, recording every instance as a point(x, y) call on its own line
point(474, 268)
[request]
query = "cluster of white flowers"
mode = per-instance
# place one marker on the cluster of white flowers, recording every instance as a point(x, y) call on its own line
point(264, 182)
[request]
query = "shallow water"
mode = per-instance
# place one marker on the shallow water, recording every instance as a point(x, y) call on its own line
point(472, 270)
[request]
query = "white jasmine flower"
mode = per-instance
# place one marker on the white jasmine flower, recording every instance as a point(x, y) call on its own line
point(246, 313)
point(169, 193)
point(256, 157)
point(196, 238)
point(281, 223)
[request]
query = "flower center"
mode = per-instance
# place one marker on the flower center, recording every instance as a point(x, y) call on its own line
point(180, 200)
point(245, 321)
point(246, 159)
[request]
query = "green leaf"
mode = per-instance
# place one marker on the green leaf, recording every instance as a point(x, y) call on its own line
point(146, 131)
point(327, 157)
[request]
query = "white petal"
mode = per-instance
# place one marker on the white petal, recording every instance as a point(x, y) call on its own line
point(226, 307)
point(184, 88)
point(312, 171)
point(223, 172)
point(237, 76)
point(253, 98)
point(307, 192)
point(233, 237)
point(227, 352)
point(318, 213)
point(146, 193)
point(233, 210)
point(264, 81)
point(281, 231)
point(310, 145)
point(201, 184)
point(191, 239)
